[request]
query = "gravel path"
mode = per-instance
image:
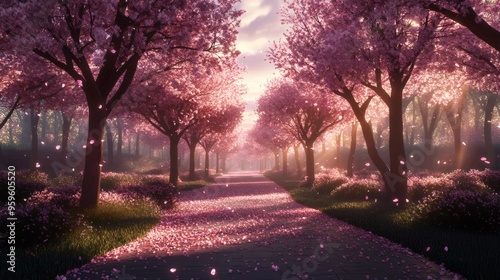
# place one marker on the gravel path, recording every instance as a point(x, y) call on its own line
point(247, 227)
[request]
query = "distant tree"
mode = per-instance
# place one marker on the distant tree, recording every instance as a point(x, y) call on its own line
point(271, 136)
point(175, 105)
point(304, 111)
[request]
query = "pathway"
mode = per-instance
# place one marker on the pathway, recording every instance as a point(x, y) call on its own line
point(247, 227)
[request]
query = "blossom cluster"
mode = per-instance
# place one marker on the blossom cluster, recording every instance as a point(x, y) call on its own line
point(360, 189)
point(420, 187)
point(462, 209)
point(460, 199)
point(159, 191)
point(329, 180)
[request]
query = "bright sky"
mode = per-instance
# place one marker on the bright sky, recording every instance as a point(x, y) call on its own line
point(260, 26)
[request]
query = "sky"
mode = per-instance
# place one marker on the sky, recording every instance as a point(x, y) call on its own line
point(260, 27)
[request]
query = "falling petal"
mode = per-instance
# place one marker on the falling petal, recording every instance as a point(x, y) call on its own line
point(395, 200)
point(483, 158)
point(446, 248)
point(58, 147)
point(173, 270)
point(367, 164)
point(428, 249)
point(213, 271)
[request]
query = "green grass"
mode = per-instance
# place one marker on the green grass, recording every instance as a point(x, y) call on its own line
point(191, 185)
point(105, 228)
point(473, 254)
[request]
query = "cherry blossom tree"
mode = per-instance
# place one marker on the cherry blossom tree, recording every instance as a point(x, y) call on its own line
point(100, 44)
point(226, 87)
point(271, 136)
point(304, 111)
point(347, 45)
point(191, 98)
point(224, 124)
point(210, 130)
point(226, 145)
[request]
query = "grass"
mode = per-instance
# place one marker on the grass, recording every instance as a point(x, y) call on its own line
point(475, 255)
point(192, 185)
point(105, 228)
point(109, 226)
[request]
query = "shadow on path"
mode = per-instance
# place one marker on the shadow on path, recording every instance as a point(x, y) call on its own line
point(247, 227)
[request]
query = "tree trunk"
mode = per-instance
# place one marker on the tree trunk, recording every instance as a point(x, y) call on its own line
point(25, 120)
point(429, 127)
point(207, 163)
point(44, 124)
point(174, 160)
point(217, 158)
point(488, 116)
point(397, 155)
point(119, 143)
point(65, 136)
point(352, 149)
point(192, 152)
point(11, 134)
point(223, 163)
point(370, 141)
point(137, 138)
point(284, 154)
point(454, 116)
point(309, 151)
point(8, 115)
point(276, 159)
point(109, 140)
point(338, 142)
point(34, 120)
point(129, 146)
point(413, 127)
point(297, 160)
point(91, 182)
